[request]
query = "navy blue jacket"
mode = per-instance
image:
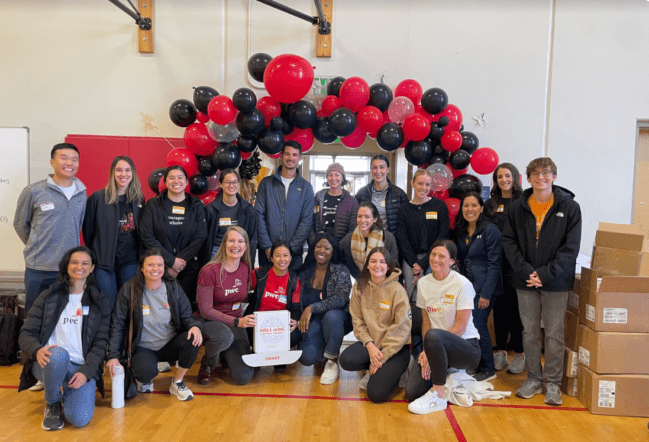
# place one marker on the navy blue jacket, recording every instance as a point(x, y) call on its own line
point(555, 256)
point(480, 259)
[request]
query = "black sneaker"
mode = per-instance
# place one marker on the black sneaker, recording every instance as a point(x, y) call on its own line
point(484, 376)
point(280, 368)
point(52, 419)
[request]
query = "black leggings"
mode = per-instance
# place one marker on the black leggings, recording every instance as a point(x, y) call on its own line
point(386, 379)
point(145, 361)
point(443, 350)
point(507, 319)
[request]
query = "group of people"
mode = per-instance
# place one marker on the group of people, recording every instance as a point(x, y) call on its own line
point(157, 279)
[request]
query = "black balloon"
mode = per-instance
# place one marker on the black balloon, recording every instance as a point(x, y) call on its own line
point(277, 123)
point(321, 131)
point(246, 144)
point(436, 131)
point(418, 152)
point(250, 168)
point(206, 167)
point(257, 65)
point(251, 123)
point(198, 185)
point(443, 121)
point(460, 159)
point(390, 137)
point(342, 122)
point(244, 100)
point(434, 100)
point(182, 113)
point(463, 184)
point(380, 96)
point(333, 88)
point(303, 114)
point(441, 159)
point(202, 97)
point(287, 128)
point(470, 142)
point(154, 179)
point(286, 109)
point(227, 156)
point(271, 142)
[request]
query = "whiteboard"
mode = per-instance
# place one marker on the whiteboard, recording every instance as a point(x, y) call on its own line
point(14, 177)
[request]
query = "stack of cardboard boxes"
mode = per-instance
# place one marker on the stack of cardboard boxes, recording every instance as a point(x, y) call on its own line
point(611, 339)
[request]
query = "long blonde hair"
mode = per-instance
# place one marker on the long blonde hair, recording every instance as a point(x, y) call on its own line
point(220, 256)
point(133, 190)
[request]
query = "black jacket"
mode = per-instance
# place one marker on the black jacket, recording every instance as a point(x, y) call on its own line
point(153, 226)
point(480, 259)
point(394, 198)
point(247, 220)
point(41, 322)
point(261, 275)
point(181, 317)
point(555, 255)
point(336, 290)
point(101, 228)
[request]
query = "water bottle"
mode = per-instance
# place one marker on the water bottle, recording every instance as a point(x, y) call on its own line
point(118, 387)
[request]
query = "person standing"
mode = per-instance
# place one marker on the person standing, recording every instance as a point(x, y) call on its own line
point(284, 207)
point(48, 219)
point(541, 240)
point(110, 227)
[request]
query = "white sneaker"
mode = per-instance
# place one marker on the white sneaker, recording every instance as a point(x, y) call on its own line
point(179, 390)
point(403, 380)
point(363, 383)
point(38, 386)
point(330, 373)
point(145, 388)
point(164, 367)
point(428, 403)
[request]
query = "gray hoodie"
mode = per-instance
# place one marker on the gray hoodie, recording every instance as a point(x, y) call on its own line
point(48, 223)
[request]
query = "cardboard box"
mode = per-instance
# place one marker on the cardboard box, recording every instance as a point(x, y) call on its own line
point(573, 302)
point(613, 395)
point(570, 326)
point(570, 363)
point(575, 284)
point(614, 303)
point(570, 386)
point(607, 353)
point(620, 250)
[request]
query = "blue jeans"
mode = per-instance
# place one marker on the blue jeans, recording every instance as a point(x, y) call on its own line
point(79, 403)
point(480, 319)
point(110, 282)
point(36, 282)
point(324, 336)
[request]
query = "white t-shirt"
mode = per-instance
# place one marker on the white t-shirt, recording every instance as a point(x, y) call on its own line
point(442, 299)
point(68, 191)
point(67, 333)
point(287, 182)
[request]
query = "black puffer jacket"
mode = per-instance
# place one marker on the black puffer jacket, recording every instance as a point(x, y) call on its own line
point(393, 200)
point(41, 322)
point(555, 255)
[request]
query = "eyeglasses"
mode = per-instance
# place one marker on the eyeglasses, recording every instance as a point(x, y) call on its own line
point(231, 183)
point(545, 173)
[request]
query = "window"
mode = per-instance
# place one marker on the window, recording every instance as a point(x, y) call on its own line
point(357, 170)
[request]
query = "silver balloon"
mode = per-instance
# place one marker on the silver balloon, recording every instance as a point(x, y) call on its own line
point(442, 177)
point(223, 133)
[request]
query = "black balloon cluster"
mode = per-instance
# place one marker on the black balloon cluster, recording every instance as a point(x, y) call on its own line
point(250, 168)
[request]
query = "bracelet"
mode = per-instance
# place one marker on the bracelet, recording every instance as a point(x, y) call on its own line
point(236, 322)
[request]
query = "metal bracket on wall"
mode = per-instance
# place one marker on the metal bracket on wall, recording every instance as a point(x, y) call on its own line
point(143, 20)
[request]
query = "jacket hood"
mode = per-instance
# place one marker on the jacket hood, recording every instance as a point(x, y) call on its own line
point(560, 193)
point(394, 276)
point(278, 173)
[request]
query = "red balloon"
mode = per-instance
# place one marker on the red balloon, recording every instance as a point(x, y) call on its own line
point(451, 140)
point(420, 110)
point(440, 194)
point(417, 127)
point(355, 139)
point(453, 205)
point(456, 173)
point(370, 119)
point(386, 117)
point(330, 104)
point(302, 136)
point(161, 184)
point(454, 117)
point(275, 156)
point(354, 93)
point(269, 108)
point(208, 196)
point(373, 135)
point(198, 140)
point(184, 158)
point(288, 78)
point(221, 109)
point(411, 89)
point(484, 160)
point(245, 156)
point(201, 117)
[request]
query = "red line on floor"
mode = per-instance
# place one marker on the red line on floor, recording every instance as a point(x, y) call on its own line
point(454, 425)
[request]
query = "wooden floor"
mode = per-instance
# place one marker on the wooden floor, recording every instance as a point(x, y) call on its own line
point(293, 406)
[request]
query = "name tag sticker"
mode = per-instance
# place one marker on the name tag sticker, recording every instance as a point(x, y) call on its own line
point(86, 310)
point(225, 222)
point(382, 203)
point(47, 206)
point(431, 215)
point(166, 305)
point(178, 210)
point(282, 299)
point(501, 208)
point(145, 310)
point(316, 209)
point(236, 306)
point(384, 305)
